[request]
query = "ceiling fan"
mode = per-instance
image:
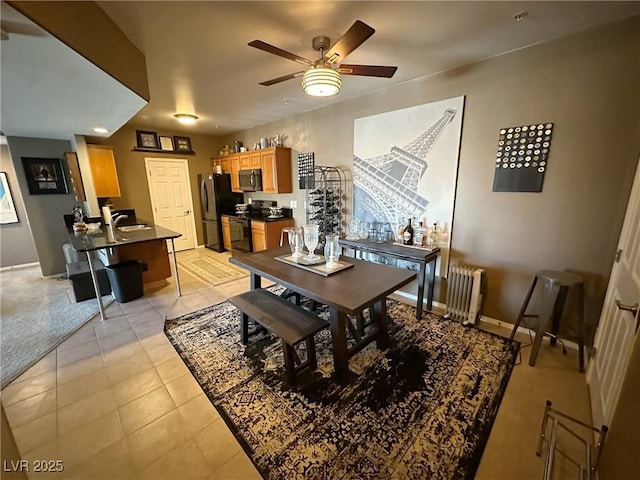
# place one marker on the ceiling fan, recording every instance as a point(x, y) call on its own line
point(322, 78)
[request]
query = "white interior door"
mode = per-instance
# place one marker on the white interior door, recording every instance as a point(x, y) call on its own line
point(618, 323)
point(171, 198)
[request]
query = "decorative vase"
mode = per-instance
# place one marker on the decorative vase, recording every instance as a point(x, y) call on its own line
point(332, 250)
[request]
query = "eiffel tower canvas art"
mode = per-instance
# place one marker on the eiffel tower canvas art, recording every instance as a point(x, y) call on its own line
point(405, 166)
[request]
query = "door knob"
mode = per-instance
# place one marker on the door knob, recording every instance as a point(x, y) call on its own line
point(629, 308)
point(187, 212)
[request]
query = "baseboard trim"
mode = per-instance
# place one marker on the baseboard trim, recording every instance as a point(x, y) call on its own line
point(16, 267)
point(493, 321)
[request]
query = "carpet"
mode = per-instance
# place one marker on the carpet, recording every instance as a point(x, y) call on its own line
point(213, 271)
point(422, 409)
point(37, 314)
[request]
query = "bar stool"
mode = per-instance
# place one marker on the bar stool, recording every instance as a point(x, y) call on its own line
point(556, 288)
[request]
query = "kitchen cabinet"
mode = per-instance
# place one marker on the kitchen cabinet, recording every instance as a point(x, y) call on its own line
point(226, 233)
point(103, 171)
point(245, 160)
point(154, 253)
point(275, 163)
point(225, 164)
point(234, 168)
point(256, 161)
point(266, 235)
point(276, 170)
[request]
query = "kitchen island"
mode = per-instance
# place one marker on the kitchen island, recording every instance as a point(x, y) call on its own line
point(124, 237)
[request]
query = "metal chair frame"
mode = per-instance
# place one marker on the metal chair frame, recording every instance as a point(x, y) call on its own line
point(592, 453)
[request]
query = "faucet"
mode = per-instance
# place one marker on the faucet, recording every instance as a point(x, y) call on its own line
point(117, 217)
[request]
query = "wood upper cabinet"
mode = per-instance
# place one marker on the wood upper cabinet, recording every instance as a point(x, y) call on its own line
point(276, 170)
point(275, 163)
point(226, 233)
point(103, 171)
point(225, 164)
point(245, 161)
point(266, 235)
point(256, 161)
point(234, 168)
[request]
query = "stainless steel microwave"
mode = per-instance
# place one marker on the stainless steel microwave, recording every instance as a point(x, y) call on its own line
point(250, 180)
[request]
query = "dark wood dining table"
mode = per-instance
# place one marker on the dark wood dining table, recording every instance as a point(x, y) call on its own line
point(347, 294)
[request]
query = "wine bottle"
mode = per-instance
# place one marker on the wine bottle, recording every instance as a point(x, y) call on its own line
point(407, 236)
point(433, 236)
point(418, 235)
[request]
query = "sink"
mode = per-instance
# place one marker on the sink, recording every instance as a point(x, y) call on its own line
point(134, 228)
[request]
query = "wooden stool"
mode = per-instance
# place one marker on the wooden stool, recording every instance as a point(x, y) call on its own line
point(556, 288)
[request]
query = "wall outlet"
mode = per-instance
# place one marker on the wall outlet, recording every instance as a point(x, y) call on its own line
point(249, 200)
point(293, 204)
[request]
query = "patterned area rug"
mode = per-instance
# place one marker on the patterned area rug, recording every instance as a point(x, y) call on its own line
point(422, 409)
point(213, 271)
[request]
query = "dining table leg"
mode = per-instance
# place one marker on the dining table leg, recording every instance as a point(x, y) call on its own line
point(339, 340)
point(255, 281)
point(380, 318)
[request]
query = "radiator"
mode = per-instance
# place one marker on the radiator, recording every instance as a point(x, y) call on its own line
point(464, 293)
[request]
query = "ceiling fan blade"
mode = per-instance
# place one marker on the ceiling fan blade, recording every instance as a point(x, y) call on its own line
point(367, 70)
point(352, 39)
point(282, 79)
point(260, 45)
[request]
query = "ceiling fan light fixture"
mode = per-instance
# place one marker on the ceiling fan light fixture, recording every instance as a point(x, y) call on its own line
point(186, 118)
point(321, 82)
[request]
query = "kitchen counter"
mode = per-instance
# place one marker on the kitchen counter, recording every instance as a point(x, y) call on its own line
point(258, 218)
point(102, 238)
point(147, 245)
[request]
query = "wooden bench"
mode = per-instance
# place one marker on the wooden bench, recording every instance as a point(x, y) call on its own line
point(291, 323)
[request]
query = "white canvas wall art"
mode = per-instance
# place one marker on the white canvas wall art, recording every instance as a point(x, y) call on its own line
point(405, 166)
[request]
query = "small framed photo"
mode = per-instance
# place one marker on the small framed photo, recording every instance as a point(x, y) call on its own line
point(44, 175)
point(166, 143)
point(182, 144)
point(7, 208)
point(147, 139)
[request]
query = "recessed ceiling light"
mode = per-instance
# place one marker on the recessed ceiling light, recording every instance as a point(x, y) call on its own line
point(186, 118)
point(100, 130)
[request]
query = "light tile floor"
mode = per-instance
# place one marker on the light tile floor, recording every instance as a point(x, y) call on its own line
point(115, 401)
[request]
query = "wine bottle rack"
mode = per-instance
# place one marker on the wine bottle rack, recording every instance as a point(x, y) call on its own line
point(325, 200)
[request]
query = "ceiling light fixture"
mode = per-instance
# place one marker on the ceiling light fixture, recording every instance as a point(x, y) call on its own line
point(321, 81)
point(186, 118)
point(100, 130)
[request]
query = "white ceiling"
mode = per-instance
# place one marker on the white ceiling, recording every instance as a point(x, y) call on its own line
point(49, 91)
point(198, 60)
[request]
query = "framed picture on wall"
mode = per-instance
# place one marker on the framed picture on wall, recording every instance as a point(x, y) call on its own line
point(7, 207)
point(147, 139)
point(44, 176)
point(166, 143)
point(182, 144)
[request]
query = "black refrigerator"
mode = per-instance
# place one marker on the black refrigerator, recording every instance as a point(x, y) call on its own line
point(217, 199)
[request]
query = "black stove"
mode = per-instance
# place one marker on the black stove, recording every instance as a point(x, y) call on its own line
point(240, 223)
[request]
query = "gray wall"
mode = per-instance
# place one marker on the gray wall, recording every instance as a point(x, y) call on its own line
point(588, 86)
point(17, 244)
point(45, 211)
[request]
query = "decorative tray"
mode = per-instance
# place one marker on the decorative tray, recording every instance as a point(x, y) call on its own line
point(319, 268)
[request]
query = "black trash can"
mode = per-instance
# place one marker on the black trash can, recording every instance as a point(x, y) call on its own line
point(126, 279)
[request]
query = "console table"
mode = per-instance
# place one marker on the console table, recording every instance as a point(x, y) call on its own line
point(420, 256)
